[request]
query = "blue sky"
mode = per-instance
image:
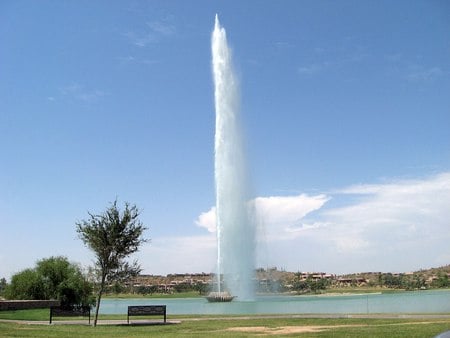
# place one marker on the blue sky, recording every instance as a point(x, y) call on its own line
point(345, 107)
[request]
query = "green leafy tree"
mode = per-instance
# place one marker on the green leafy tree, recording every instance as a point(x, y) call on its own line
point(201, 288)
point(146, 289)
point(64, 281)
point(442, 280)
point(113, 236)
point(27, 284)
point(182, 287)
point(117, 288)
point(299, 285)
point(3, 285)
point(52, 278)
point(416, 281)
point(316, 285)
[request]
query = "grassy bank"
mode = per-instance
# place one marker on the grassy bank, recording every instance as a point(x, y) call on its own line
point(228, 327)
point(241, 328)
point(33, 314)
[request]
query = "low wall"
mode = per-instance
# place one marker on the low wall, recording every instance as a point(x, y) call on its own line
point(27, 304)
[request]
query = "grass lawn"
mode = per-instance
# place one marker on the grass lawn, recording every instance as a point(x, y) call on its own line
point(227, 327)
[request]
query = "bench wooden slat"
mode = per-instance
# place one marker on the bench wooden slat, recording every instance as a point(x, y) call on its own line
point(146, 310)
point(64, 311)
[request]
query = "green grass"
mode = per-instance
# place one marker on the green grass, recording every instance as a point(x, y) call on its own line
point(221, 328)
point(44, 315)
point(217, 326)
point(34, 314)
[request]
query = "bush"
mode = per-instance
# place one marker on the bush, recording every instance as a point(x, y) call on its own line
point(52, 278)
point(27, 284)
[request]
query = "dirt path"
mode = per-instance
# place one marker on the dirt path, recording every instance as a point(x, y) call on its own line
point(285, 330)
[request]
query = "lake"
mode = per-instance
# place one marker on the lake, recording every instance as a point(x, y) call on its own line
point(437, 301)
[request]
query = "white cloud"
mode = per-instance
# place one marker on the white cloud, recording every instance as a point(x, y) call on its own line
point(152, 33)
point(76, 91)
point(311, 69)
point(400, 225)
point(207, 220)
point(287, 210)
point(162, 28)
point(420, 74)
point(125, 60)
point(275, 212)
point(349, 244)
point(404, 213)
point(302, 227)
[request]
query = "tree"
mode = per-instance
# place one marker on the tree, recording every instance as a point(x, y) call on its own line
point(298, 284)
point(52, 278)
point(442, 280)
point(201, 288)
point(113, 236)
point(26, 284)
point(3, 285)
point(64, 281)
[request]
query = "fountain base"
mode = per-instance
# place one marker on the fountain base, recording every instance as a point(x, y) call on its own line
point(215, 297)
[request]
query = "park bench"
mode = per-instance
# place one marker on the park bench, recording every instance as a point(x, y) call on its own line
point(70, 311)
point(146, 310)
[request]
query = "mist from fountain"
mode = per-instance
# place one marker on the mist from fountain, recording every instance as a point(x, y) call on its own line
point(235, 222)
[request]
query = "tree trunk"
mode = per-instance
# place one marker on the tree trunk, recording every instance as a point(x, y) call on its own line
point(99, 297)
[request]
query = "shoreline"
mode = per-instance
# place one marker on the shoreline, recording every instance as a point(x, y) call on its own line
point(327, 293)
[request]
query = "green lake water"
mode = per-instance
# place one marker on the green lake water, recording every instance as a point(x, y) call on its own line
point(403, 302)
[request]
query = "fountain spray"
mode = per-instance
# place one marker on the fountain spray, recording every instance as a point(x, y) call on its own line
point(235, 221)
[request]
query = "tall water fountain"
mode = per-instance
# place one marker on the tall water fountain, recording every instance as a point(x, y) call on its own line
point(235, 221)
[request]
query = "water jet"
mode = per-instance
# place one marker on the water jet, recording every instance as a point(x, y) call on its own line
point(234, 216)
